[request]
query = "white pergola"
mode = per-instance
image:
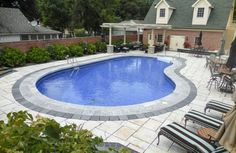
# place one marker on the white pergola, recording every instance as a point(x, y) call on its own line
point(139, 27)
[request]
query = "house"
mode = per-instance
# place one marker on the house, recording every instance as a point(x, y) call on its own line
point(187, 18)
point(14, 26)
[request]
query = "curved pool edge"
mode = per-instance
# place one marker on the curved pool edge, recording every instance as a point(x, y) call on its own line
point(25, 92)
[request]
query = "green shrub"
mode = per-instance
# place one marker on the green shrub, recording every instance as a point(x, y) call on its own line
point(91, 48)
point(57, 52)
point(118, 42)
point(23, 134)
point(101, 46)
point(84, 47)
point(38, 55)
point(75, 50)
point(145, 46)
point(12, 57)
point(129, 45)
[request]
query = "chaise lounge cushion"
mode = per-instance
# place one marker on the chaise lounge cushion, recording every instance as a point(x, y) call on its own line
point(203, 119)
point(187, 139)
point(218, 106)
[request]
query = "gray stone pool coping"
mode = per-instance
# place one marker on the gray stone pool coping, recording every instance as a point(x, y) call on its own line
point(26, 93)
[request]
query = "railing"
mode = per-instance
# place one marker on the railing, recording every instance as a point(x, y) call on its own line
point(74, 64)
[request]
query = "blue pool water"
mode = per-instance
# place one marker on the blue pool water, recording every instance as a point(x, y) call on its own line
point(115, 82)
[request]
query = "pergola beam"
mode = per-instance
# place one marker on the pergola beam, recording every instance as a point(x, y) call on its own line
point(130, 25)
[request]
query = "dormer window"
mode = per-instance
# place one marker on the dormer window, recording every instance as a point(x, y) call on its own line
point(162, 12)
point(200, 12)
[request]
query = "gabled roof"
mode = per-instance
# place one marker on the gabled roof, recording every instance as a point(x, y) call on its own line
point(165, 3)
point(201, 0)
point(12, 21)
point(181, 17)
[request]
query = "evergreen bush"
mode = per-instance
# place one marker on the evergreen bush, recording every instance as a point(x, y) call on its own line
point(37, 55)
point(12, 57)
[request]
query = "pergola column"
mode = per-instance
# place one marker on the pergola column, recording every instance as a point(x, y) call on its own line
point(153, 37)
point(164, 38)
point(124, 35)
point(110, 47)
point(138, 36)
point(110, 35)
point(151, 47)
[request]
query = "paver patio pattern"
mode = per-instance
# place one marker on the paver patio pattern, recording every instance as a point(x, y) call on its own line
point(139, 134)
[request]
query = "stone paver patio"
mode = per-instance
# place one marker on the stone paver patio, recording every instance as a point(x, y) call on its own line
point(139, 134)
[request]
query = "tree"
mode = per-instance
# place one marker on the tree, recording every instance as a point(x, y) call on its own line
point(91, 14)
point(88, 14)
point(54, 13)
point(133, 9)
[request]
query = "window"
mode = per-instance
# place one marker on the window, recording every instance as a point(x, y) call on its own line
point(162, 12)
point(33, 37)
point(54, 36)
point(24, 37)
point(200, 12)
point(41, 36)
point(159, 38)
point(47, 36)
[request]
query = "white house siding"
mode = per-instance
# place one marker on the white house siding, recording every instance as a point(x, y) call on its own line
point(9, 38)
point(207, 11)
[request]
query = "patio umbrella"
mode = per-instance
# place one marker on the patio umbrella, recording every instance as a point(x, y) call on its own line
point(200, 39)
point(231, 63)
point(227, 132)
point(221, 51)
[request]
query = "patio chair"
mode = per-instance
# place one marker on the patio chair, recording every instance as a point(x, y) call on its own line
point(188, 140)
point(203, 119)
point(218, 106)
point(117, 48)
point(214, 78)
point(227, 84)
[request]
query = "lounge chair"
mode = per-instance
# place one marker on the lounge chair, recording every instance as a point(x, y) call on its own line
point(218, 106)
point(188, 140)
point(203, 119)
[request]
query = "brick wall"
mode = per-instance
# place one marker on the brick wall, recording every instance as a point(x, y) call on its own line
point(26, 45)
point(210, 40)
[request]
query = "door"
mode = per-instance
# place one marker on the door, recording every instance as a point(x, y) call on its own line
point(176, 42)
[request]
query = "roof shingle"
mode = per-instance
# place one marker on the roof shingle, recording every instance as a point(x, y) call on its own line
point(182, 15)
point(12, 21)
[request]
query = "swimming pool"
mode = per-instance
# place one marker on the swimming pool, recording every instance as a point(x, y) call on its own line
point(114, 82)
point(25, 92)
